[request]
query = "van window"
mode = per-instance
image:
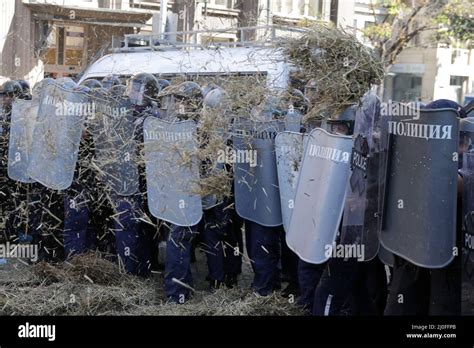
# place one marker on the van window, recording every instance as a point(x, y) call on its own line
point(220, 79)
point(246, 89)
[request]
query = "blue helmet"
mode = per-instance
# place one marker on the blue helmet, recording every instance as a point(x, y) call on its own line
point(447, 104)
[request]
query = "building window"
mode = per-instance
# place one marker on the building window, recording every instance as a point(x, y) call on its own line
point(457, 80)
point(334, 11)
point(65, 48)
point(112, 4)
point(301, 7)
point(455, 54)
point(209, 40)
point(458, 85)
point(277, 6)
point(104, 3)
point(297, 8)
point(51, 43)
point(313, 8)
point(222, 3)
point(74, 45)
point(61, 40)
point(368, 24)
point(406, 88)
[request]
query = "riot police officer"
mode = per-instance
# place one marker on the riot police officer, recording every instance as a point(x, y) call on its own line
point(326, 287)
point(429, 291)
point(80, 229)
point(9, 189)
point(132, 234)
point(219, 238)
point(298, 105)
point(263, 240)
point(445, 283)
point(184, 102)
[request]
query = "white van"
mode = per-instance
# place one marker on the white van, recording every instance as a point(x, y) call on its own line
point(267, 62)
point(167, 62)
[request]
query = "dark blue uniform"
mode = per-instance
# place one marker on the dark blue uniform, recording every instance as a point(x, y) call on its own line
point(263, 249)
point(178, 262)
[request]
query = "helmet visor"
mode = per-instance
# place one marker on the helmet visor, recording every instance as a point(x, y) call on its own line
point(136, 91)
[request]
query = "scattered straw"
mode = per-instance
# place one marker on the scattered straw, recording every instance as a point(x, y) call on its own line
point(342, 66)
point(62, 289)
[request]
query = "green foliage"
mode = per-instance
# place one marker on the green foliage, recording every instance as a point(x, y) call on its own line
point(457, 22)
point(378, 32)
point(451, 20)
point(393, 7)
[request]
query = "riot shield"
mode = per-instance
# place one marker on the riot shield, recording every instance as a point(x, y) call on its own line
point(172, 171)
point(420, 184)
point(320, 194)
point(210, 201)
point(3, 117)
point(466, 133)
point(23, 120)
point(114, 138)
point(289, 152)
point(293, 120)
point(386, 256)
point(470, 111)
point(468, 213)
point(466, 145)
point(216, 107)
point(257, 197)
point(57, 134)
point(359, 225)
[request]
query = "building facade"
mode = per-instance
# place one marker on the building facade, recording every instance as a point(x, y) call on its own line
point(424, 71)
point(62, 37)
point(56, 38)
point(432, 73)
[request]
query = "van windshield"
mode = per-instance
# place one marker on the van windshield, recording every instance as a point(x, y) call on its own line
point(247, 89)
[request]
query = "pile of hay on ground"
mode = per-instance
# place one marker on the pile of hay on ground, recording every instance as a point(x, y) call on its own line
point(225, 302)
point(86, 285)
point(90, 285)
point(343, 67)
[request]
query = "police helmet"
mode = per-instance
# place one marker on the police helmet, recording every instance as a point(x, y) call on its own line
point(344, 122)
point(208, 87)
point(142, 88)
point(299, 101)
point(213, 98)
point(448, 104)
point(25, 86)
point(466, 132)
point(118, 90)
point(163, 83)
point(91, 83)
point(12, 89)
point(40, 86)
point(311, 90)
point(110, 80)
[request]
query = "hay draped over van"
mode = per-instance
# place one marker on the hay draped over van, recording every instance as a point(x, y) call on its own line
point(343, 67)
